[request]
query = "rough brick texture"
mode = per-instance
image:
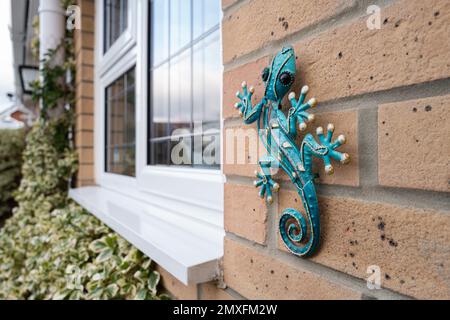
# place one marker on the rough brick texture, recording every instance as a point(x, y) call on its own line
point(245, 213)
point(414, 144)
point(410, 40)
point(261, 21)
point(84, 105)
point(411, 246)
point(242, 149)
point(258, 276)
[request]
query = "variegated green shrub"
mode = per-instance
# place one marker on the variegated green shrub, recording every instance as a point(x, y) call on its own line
point(12, 143)
point(53, 249)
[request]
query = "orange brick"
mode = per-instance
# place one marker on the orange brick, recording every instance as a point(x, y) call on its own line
point(85, 57)
point(176, 288)
point(245, 213)
point(85, 90)
point(87, 7)
point(209, 291)
point(86, 172)
point(84, 106)
point(87, 23)
point(251, 27)
point(353, 60)
point(85, 155)
point(413, 144)
point(258, 276)
point(411, 246)
point(84, 138)
point(83, 40)
point(84, 122)
point(406, 50)
point(84, 73)
point(241, 150)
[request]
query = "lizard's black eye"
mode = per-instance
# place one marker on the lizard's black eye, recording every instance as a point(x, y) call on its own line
point(265, 74)
point(286, 78)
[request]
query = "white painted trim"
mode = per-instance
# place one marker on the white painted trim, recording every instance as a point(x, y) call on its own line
point(188, 249)
point(185, 198)
point(123, 44)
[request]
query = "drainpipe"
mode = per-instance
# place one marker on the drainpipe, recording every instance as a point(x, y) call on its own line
point(51, 33)
point(51, 27)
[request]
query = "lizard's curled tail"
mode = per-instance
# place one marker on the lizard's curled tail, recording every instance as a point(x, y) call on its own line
point(299, 234)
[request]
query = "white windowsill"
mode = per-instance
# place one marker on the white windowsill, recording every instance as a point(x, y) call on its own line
point(186, 247)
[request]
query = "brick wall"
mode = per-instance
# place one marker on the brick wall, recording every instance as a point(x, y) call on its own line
point(388, 90)
point(84, 107)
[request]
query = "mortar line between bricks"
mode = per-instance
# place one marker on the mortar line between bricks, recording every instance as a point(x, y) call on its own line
point(368, 147)
point(234, 7)
point(323, 271)
point(199, 288)
point(350, 14)
point(409, 198)
point(368, 100)
point(271, 231)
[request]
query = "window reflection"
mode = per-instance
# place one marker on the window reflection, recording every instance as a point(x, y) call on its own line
point(115, 20)
point(185, 73)
point(120, 125)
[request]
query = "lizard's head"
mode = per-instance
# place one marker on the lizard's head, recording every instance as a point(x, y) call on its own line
point(281, 74)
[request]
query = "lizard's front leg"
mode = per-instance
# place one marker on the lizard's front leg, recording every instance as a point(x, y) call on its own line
point(249, 113)
point(265, 180)
point(325, 150)
point(297, 113)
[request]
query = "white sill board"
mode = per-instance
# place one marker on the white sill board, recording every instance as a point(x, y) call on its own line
point(188, 249)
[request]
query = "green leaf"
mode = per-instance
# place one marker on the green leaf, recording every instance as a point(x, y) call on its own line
point(105, 255)
point(97, 246)
point(153, 281)
point(111, 241)
point(75, 295)
point(62, 295)
point(112, 290)
point(147, 263)
point(96, 294)
point(141, 295)
point(98, 276)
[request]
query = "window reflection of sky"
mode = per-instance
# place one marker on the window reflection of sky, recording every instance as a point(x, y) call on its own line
point(205, 69)
point(186, 69)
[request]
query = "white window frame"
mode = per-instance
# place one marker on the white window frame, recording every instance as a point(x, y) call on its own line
point(192, 195)
point(174, 185)
point(123, 44)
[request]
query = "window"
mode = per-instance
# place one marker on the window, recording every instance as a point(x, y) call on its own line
point(185, 83)
point(120, 125)
point(116, 21)
point(152, 89)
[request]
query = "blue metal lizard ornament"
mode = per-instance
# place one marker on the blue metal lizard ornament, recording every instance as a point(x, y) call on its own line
point(300, 233)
